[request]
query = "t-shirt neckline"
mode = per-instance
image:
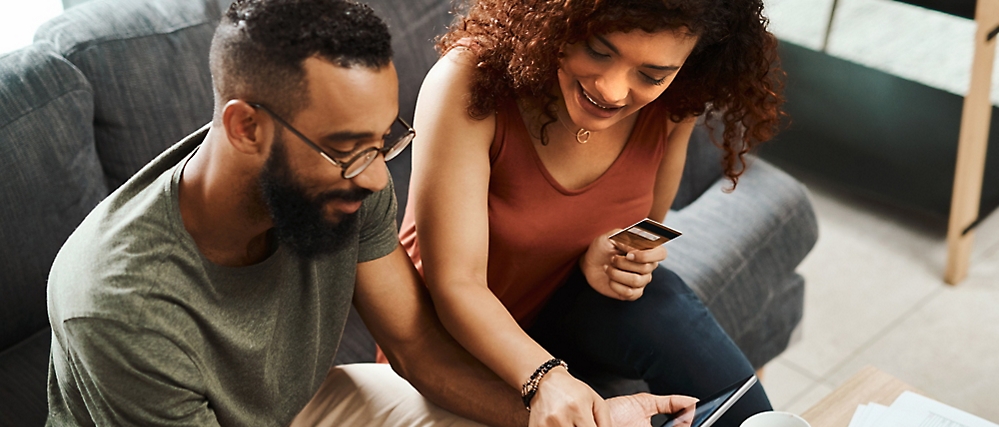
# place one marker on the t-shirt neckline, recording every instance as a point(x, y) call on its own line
point(173, 193)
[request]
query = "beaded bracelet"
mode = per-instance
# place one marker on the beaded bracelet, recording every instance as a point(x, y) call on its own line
point(530, 388)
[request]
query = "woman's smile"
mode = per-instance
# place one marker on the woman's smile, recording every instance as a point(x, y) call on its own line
point(591, 106)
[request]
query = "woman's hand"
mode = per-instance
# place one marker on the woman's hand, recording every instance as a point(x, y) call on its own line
point(618, 271)
point(564, 401)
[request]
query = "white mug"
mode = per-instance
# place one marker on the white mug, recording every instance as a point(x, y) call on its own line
point(775, 419)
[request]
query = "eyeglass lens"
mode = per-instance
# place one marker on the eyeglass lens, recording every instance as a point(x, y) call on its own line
point(400, 135)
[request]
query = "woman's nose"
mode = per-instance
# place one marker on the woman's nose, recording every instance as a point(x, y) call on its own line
point(612, 88)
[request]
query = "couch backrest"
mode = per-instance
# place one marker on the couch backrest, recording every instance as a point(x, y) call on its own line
point(703, 167)
point(49, 174)
point(147, 61)
point(414, 25)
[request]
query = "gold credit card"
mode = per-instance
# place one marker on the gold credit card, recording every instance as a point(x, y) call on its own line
point(645, 234)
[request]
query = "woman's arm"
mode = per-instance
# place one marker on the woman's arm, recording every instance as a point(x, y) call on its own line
point(450, 183)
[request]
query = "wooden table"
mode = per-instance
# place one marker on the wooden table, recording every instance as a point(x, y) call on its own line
point(868, 385)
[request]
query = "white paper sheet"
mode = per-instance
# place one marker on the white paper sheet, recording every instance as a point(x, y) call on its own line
point(921, 411)
point(868, 415)
point(913, 410)
point(858, 417)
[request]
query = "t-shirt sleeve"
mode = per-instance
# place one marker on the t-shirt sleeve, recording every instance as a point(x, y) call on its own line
point(378, 234)
point(106, 372)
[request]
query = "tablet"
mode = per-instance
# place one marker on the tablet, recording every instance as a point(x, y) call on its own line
point(709, 410)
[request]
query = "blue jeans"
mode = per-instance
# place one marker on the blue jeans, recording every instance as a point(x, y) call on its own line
point(667, 338)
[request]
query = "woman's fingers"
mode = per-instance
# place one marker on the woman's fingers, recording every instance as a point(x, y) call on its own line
point(617, 270)
point(622, 263)
point(655, 254)
point(626, 293)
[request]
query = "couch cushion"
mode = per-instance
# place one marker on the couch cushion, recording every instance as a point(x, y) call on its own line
point(23, 371)
point(739, 249)
point(147, 61)
point(50, 173)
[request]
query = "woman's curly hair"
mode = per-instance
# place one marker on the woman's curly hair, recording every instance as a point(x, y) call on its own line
point(733, 70)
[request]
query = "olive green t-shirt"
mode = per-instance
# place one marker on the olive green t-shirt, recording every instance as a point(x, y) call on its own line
point(146, 331)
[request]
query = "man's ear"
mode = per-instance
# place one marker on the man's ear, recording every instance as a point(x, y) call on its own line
point(243, 128)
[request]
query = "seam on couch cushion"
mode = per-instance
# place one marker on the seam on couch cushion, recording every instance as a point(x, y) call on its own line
point(209, 14)
point(43, 106)
point(85, 46)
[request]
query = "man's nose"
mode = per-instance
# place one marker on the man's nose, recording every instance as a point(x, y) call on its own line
point(374, 177)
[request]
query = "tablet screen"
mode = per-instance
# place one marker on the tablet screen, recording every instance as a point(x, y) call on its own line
point(712, 408)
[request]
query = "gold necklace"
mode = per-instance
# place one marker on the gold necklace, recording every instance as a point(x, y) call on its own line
point(582, 135)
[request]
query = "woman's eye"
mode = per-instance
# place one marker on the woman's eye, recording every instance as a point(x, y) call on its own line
point(654, 81)
point(594, 53)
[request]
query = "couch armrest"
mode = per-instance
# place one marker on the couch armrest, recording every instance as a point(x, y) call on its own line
point(740, 249)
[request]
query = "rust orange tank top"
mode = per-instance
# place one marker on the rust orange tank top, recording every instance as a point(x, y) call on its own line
point(539, 229)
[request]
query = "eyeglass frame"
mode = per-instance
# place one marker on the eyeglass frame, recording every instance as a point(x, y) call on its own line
point(404, 140)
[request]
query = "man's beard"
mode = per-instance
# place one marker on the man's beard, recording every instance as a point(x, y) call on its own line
point(299, 220)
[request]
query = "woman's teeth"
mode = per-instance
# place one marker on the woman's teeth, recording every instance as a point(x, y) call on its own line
point(597, 104)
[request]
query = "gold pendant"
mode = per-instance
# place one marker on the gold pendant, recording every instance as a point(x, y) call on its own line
point(582, 136)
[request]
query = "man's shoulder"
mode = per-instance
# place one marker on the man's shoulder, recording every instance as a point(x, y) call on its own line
point(125, 273)
point(128, 246)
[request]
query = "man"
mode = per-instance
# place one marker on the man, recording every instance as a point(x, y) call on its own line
point(212, 288)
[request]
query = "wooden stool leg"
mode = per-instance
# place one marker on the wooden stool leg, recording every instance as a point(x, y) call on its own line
point(971, 146)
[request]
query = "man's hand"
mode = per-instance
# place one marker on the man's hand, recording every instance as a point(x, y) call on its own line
point(617, 271)
point(563, 401)
point(635, 410)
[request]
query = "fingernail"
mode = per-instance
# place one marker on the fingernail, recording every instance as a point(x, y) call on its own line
point(631, 257)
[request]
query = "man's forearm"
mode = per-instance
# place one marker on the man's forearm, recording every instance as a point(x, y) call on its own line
point(400, 314)
point(446, 374)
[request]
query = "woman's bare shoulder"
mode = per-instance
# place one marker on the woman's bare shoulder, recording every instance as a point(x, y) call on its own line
point(461, 55)
point(442, 106)
point(455, 69)
point(448, 84)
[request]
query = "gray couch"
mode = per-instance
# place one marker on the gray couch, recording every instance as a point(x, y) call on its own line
point(109, 84)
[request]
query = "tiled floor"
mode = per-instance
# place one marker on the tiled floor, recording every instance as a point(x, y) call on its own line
point(874, 296)
point(874, 288)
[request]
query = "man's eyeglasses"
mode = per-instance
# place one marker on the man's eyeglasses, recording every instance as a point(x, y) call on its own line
point(397, 140)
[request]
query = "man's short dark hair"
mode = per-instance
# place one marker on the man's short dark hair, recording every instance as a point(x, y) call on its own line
point(258, 50)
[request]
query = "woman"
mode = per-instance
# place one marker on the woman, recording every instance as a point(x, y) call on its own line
point(545, 127)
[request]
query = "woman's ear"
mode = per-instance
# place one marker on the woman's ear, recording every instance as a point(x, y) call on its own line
point(243, 128)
